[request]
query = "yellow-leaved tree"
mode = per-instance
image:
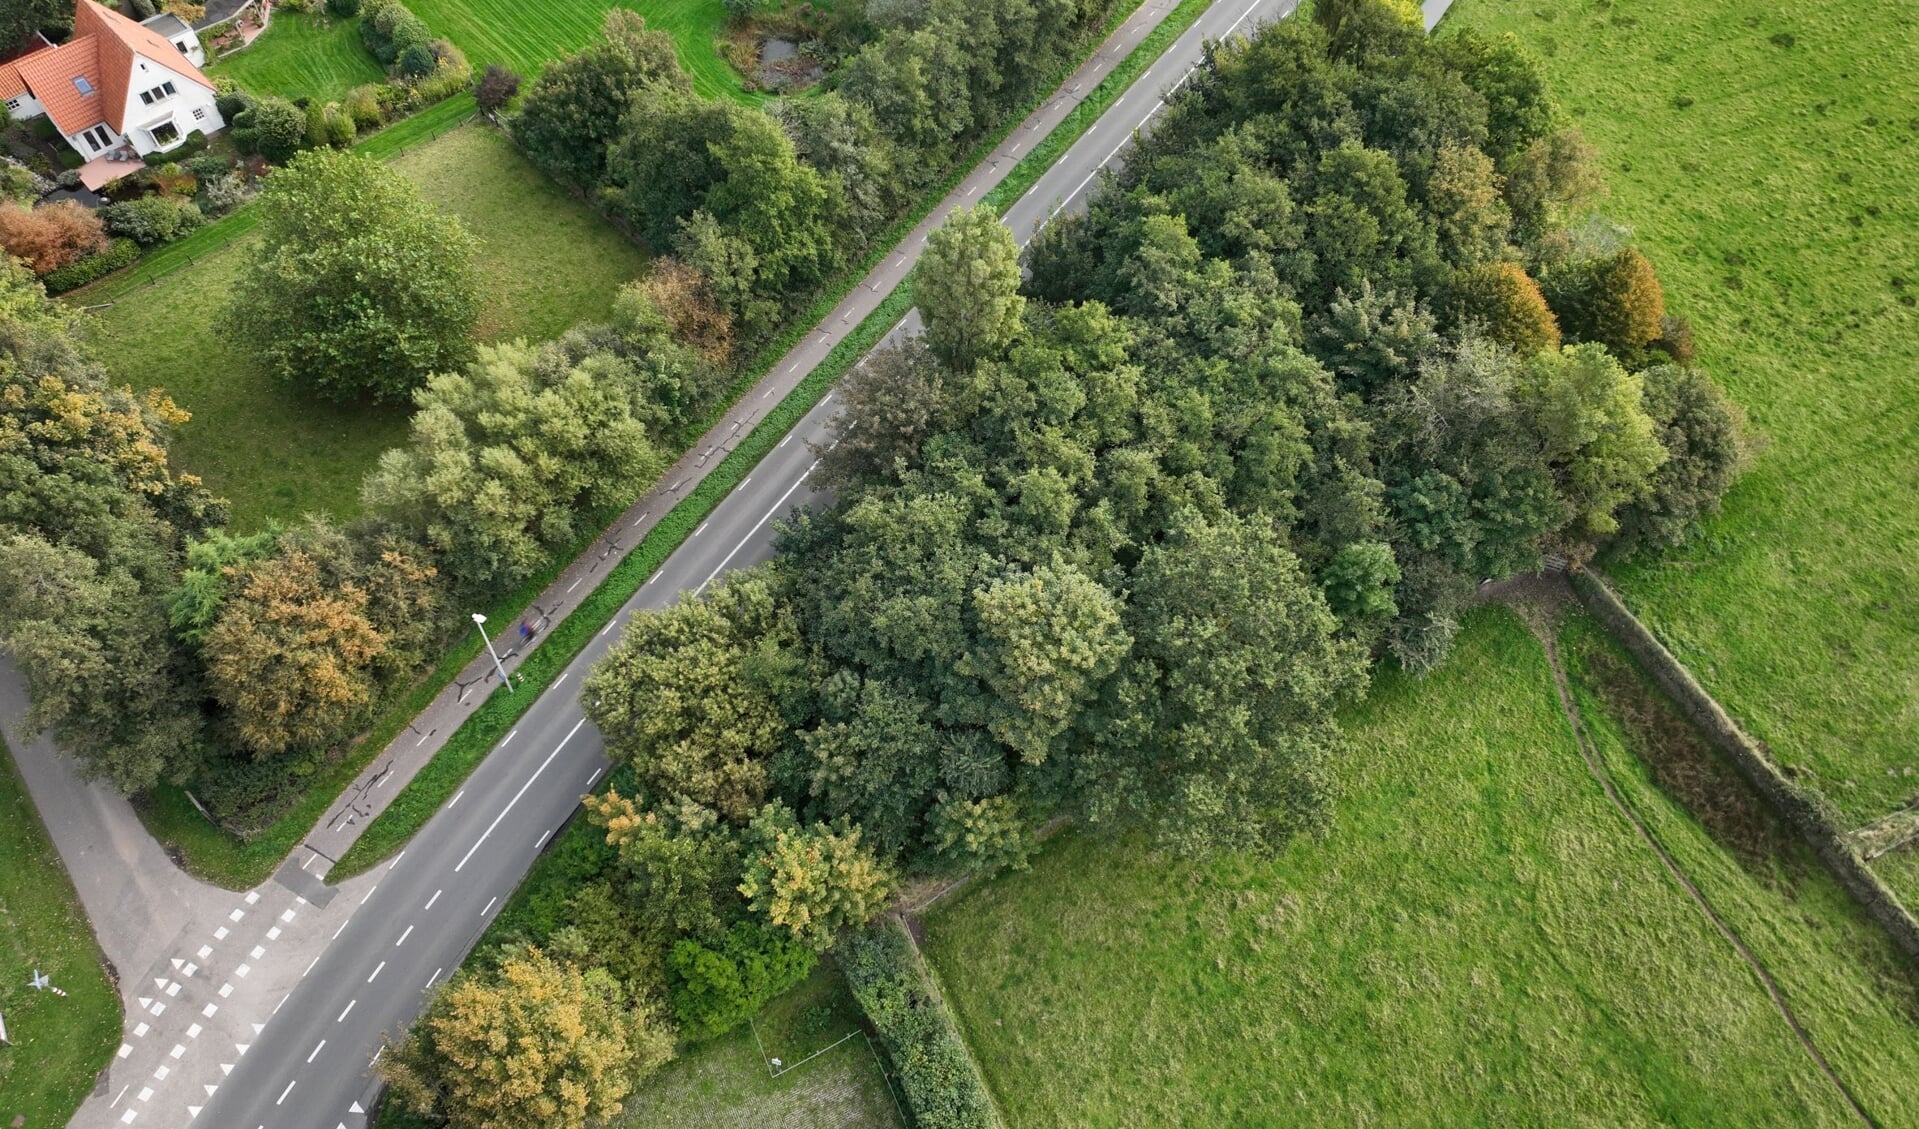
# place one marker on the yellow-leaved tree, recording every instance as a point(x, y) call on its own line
point(534, 1044)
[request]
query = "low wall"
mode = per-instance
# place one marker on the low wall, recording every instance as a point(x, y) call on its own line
point(1807, 812)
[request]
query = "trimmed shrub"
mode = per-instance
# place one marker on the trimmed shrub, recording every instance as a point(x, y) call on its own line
point(715, 990)
point(271, 127)
point(940, 1082)
point(119, 253)
point(497, 87)
point(152, 220)
point(207, 166)
point(1506, 303)
point(417, 61)
point(343, 9)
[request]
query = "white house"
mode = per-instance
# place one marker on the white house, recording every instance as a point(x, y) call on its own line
point(117, 91)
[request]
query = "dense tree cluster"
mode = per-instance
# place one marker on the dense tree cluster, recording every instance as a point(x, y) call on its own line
point(767, 206)
point(1116, 542)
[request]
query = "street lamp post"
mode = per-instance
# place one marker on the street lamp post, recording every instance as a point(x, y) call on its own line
point(479, 621)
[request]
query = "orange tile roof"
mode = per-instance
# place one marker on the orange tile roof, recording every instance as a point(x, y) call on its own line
point(50, 74)
point(120, 39)
point(101, 51)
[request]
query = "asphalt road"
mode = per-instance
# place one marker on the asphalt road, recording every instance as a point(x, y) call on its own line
point(309, 1068)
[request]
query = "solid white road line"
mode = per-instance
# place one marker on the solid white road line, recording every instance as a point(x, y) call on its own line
point(516, 796)
point(756, 527)
point(455, 799)
point(316, 960)
point(488, 908)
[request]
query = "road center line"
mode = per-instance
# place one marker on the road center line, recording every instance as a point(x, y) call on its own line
point(316, 1053)
point(284, 1093)
point(349, 1007)
point(403, 937)
point(518, 794)
point(756, 527)
point(376, 972)
point(434, 898)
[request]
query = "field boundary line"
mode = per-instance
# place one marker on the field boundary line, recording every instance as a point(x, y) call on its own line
point(1807, 812)
point(1541, 620)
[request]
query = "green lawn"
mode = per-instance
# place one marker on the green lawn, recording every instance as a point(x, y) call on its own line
point(527, 36)
point(301, 54)
point(1480, 940)
point(58, 1043)
point(548, 262)
point(727, 1083)
point(1768, 156)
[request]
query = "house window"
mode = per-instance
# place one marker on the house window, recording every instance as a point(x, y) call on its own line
point(182, 46)
point(168, 87)
point(81, 84)
point(199, 114)
point(158, 93)
point(164, 134)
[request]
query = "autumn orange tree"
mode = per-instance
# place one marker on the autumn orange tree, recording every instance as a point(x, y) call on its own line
point(291, 656)
point(533, 1044)
point(1506, 305)
point(50, 237)
point(1614, 299)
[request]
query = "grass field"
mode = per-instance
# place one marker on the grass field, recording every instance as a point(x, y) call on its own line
point(300, 54)
point(727, 1083)
point(526, 36)
point(58, 1043)
point(548, 263)
point(1481, 940)
point(1768, 157)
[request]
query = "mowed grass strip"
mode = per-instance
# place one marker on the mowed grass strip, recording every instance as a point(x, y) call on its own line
point(1768, 157)
point(1481, 939)
point(300, 54)
point(725, 1083)
point(548, 263)
point(526, 36)
point(59, 1043)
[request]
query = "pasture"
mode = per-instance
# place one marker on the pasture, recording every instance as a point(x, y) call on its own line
point(1481, 939)
point(547, 261)
point(1768, 157)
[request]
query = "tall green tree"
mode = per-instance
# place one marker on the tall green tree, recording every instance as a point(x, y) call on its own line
point(359, 288)
point(689, 698)
point(967, 287)
point(506, 457)
point(22, 18)
point(572, 113)
point(1590, 416)
point(814, 880)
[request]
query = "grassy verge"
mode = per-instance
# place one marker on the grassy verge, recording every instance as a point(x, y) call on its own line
point(1480, 940)
point(59, 1043)
point(463, 753)
point(1768, 156)
point(302, 54)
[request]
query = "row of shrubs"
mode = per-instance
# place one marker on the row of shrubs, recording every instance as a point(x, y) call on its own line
point(940, 1082)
